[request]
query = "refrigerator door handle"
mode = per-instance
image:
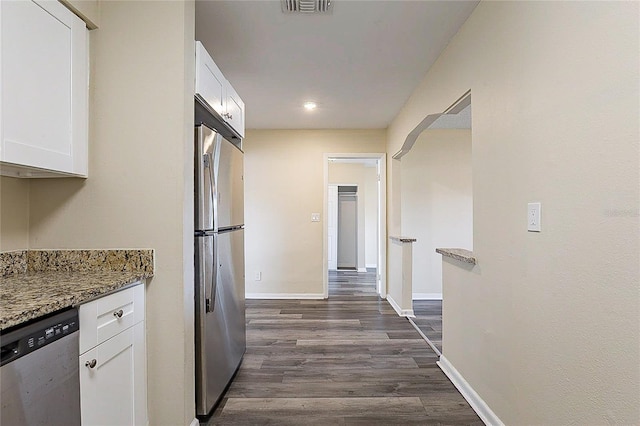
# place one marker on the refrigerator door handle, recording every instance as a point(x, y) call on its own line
point(209, 164)
point(212, 285)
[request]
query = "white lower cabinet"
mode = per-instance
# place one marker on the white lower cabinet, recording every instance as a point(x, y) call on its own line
point(113, 372)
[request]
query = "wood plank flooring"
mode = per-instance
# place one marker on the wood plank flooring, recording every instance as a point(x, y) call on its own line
point(348, 360)
point(429, 319)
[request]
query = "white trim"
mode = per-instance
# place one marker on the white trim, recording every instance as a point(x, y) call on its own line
point(382, 218)
point(362, 269)
point(396, 307)
point(427, 296)
point(371, 265)
point(479, 406)
point(194, 422)
point(284, 296)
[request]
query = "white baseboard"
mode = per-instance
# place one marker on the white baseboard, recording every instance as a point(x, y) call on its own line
point(427, 296)
point(396, 307)
point(479, 406)
point(362, 269)
point(284, 296)
point(372, 265)
point(194, 422)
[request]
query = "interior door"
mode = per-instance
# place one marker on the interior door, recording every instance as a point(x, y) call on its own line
point(332, 227)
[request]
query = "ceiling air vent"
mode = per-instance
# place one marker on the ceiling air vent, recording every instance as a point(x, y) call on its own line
point(307, 6)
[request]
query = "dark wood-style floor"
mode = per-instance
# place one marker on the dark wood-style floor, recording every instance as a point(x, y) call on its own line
point(348, 360)
point(429, 320)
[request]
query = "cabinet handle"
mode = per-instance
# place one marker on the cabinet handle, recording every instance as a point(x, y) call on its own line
point(91, 363)
point(230, 116)
point(118, 314)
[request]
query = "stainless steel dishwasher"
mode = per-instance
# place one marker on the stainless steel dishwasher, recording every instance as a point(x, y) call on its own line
point(39, 372)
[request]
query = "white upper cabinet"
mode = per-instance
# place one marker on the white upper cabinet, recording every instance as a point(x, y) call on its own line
point(217, 92)
point(43, 90)
point(209, 80)
point(235, 110)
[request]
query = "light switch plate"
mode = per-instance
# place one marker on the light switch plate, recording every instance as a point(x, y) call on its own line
point(257, 276)
point(315, 217)
point(533, 217)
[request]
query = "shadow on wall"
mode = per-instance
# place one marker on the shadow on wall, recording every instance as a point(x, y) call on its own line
point(55, 195)
point(436, 194)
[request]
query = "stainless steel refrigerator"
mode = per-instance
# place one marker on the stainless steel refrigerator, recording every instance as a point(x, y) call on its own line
point(219, 265)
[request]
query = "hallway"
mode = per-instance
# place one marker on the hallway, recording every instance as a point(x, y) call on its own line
point(348, 360)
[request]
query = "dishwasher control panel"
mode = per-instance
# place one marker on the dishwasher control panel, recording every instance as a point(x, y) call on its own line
point(27, 338)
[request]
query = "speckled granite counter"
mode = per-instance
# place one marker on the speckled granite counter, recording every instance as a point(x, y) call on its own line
point(403, 239)
point(39, 282)
point(459, 254)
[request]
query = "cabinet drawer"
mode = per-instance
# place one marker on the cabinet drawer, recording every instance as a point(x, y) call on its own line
point(108, 316)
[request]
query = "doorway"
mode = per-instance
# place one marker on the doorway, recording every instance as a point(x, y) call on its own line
point(437, 206)
point(355, 212)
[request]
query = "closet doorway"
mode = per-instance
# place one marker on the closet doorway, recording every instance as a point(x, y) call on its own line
point(347, 229)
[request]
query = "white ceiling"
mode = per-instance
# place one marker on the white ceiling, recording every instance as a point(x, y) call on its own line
point(360, 63)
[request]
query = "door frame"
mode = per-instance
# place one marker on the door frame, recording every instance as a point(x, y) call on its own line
point(332, 216)
point(381, 282)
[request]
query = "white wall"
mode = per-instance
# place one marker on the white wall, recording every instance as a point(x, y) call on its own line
point(545, 328)
point(366, 179)
point(284, 184)
point(140, 186)
point(14, 214)
point(437, 205)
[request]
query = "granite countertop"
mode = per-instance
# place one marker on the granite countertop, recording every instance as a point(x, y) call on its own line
point(460, 254)
point(47, 281)
point(403, 239)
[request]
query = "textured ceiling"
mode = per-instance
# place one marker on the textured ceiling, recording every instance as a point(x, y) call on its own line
point(360, 63)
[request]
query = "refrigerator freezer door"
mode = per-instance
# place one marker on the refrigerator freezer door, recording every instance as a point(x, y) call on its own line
point(230, 185)
point(206, 141)
point(221, 334)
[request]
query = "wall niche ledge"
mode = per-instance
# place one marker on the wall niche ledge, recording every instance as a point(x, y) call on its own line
point(460, 254)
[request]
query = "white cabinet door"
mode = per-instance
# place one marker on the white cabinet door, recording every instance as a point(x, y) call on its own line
point(43, 87)
point(210, 83)
point(113, 360)
point(217, 92)
point(235, 110)
point(107, 388)
point(113, 380)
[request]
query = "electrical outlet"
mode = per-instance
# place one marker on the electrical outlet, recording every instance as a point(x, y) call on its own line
point(315, 217)
point(533, 217)
point(257, 276)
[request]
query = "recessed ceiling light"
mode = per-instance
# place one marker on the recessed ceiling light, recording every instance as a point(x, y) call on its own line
point(310, 106)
